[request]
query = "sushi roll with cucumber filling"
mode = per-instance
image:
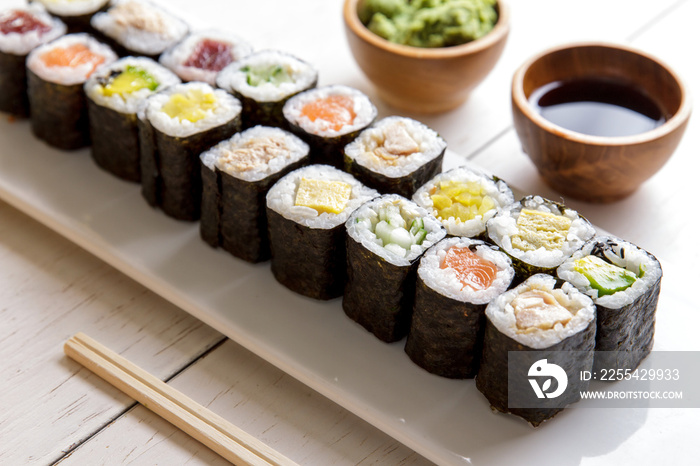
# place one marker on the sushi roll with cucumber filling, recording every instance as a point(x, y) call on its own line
point(76, 14)
point(385, 240)
point(395, 155)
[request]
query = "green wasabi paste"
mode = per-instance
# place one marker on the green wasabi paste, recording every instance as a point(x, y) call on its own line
point(429, 23)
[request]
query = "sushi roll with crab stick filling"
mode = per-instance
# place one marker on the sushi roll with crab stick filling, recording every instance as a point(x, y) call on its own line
point(395, 155)
point(306, 214)
point(175, 126)
point(624, 282)
point(115, 94)
point(263, 82)
point(22, 29)
point(56, 73)
point(540, 321)
point(76, 14)
point(457, 278)
point(236, 175)
point(385, 239)
point(464, 199)
point(328, 118)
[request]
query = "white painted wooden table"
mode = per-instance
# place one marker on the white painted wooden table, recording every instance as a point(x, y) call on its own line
point(52, 411)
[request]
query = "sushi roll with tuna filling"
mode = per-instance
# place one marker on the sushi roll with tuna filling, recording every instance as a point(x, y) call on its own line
point(236, 175)
point(395, 155)
point(76, 14)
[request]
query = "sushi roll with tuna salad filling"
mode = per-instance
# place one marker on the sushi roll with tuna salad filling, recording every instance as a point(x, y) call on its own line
point(464, 199)
point(176, 125)
point(75, 13)
point(396, 155)
point(264, 81)
point(56, 73)
point(329, 118)
point(306, 214)
point(541, 325)
point(115, 94)
point(457, 278)
point(203, 54)
point(385, 239)
point(22, 29)
point(236, 175)
point(624, 282)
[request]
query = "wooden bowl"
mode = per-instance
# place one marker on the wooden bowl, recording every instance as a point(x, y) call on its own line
point(595, 168)
point(425, 80)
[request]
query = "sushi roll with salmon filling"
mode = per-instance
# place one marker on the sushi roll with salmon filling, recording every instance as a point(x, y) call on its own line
point(76, 14)
point(306, 214)
point(115, 94)
point(396, 155)
point(328, 118)
point(176, 125)
point(541, 322)
point(21, 31)
point(202, 55)
point(236, 175)
point(464, 199)
point(56, 73)
point(457, 278)
point(624, 282)
point(385, 239)
point(263, 82)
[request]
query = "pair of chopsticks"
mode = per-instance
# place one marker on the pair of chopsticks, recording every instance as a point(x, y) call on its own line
point(194, 419)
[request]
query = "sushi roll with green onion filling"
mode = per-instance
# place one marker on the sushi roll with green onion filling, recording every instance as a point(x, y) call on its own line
point(457, 278)
point(395, 155)
point(177, 125)
point(624, 282)
point(329, 118)
point(76, 14)
point(385, 240)
point(56, 73)
point(263, 82)
point(306, 214)
point(236, 175)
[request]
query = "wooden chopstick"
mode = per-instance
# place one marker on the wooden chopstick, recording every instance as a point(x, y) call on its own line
point(212, 430)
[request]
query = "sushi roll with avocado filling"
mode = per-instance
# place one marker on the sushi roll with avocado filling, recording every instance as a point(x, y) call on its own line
point(56, 73)
point(115, 94)
point(624, 282)
point(457, 278)
point(236, 175)
point(328, 118)
point(396, 155)
point(385, 240)
point(76, 14)
point(264, 81)
point(306, 214)
point(176, 125)
point(464, 199)
point(540, 321)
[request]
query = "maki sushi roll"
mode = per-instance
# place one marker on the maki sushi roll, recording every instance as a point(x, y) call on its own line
point(202, 55)
point(138, 27)
point(457, 278)
point(115, 94)
point(328, 118)
point(264, 81)
point(624, 282)
point(396, 155)
point(76, 14)
point(306, 214)
point(464, 199)
point(541, 322)
point(236, 175)
point(175, 126)
point(22, 30)
point(56, 73)
point(385, 239)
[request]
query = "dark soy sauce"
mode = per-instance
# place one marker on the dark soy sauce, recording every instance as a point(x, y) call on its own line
point(598, 107)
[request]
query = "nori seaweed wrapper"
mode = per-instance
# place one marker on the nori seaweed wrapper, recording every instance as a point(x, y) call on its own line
point(115, 141)
point(210, 217)
point(13, 82)
point(325, 150)
point(148, 160)
point(263, 113)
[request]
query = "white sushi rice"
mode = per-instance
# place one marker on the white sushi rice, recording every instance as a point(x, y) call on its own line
point(497, 190)
point(281, 197)
point(21, 44)
point(73, 7)
point(445, 280)
point(291, 150)
point(68, 75)
point(501, 313)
